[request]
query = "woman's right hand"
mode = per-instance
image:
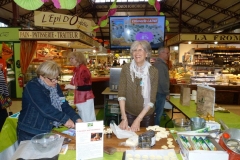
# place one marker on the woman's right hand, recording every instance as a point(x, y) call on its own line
point(124, 124)
point(69, 124)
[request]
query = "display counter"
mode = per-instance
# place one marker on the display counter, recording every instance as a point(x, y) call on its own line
point(225, 94)
point(100, 78)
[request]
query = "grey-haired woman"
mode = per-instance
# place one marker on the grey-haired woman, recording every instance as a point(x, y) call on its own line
point(43, 104)
point(138, 88)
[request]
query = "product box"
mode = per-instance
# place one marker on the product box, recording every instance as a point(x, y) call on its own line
point(212, 125)
point(190, 150)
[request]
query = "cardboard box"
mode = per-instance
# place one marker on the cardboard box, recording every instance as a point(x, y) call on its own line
point(187, 154)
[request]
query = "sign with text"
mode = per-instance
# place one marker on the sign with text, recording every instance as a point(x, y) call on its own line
point(70, 35)
point(173, 40)
point(203, 38)
point(9, 34)
point(57, 35)
point(49, 19)
point(89, 140)
point(210, 37)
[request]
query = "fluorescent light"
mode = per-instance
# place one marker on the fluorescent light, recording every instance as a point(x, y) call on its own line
point(219, 31)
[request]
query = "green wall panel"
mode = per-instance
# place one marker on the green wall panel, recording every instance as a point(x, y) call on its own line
point(17, 70)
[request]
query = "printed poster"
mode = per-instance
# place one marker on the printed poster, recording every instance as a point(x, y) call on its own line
point(89, 140)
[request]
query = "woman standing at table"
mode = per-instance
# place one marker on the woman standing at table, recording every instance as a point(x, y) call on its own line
point(43, 104)
point(81, 83)
point(138, 88)
point(3, 91)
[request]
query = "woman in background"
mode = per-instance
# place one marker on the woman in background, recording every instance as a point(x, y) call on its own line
point(81, 83)
point(44, 105)
point(138, 88)
point(3, 91)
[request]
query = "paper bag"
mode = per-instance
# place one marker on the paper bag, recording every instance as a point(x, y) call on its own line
point(185, 95)
point(205, 100)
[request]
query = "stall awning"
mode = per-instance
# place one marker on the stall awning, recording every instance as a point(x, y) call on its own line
point(204, 38)
point(84, 40)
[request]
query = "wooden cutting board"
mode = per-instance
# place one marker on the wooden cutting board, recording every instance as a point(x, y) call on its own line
point(114, 142)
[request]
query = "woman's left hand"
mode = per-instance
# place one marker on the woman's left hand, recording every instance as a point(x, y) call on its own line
point(136, 125)
point(79, 121)
point(69, 124)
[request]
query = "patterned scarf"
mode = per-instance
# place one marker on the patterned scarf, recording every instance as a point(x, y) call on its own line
point(142, 73)
point(55, 99)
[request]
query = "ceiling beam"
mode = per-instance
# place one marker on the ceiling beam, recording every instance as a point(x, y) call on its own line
point(215, 8)
point(5, 2)
point(43, 8)
point(188, 26)
point(221, 23)
point(201, 11)
point(176, 10)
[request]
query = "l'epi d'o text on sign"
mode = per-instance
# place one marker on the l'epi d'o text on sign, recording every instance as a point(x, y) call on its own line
point(52, 19)
point(56, 20)
point(49, 34)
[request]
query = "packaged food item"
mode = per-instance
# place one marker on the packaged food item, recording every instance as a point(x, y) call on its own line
point(196, 143)
point(203, 144)
point(186, 143)
point(209, 144)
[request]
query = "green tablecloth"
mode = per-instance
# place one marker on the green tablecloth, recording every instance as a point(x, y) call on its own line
point(230, 119)
point(8, 134)
point(71, 155)
point(9, 137)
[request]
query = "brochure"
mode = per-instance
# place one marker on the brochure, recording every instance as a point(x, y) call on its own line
point(89, 140)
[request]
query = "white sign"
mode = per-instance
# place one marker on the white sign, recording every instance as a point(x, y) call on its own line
point(58, 35)
point(49, 19)
point(74, 35)
point(89, 140)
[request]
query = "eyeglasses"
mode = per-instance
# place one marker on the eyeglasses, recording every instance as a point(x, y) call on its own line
point(53, 79)
point(138, 50)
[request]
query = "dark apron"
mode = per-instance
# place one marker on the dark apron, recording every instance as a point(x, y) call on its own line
point(146, 121)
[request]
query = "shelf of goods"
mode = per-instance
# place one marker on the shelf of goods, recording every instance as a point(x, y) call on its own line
point(216, 56)
point(61, 61)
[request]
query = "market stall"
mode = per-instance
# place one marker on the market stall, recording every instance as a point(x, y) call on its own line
point(212, 59)
point(10, 51)
point(54, 45)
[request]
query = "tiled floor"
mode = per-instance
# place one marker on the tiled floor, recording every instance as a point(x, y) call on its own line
point(16, 107)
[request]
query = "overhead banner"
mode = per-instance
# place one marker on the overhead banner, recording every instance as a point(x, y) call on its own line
point(57, 35)
point(204, 38)
point(210, 37)
point(56, 20)
point(173, 40)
